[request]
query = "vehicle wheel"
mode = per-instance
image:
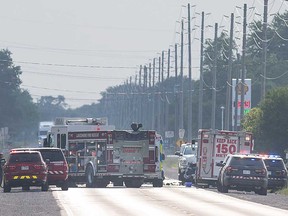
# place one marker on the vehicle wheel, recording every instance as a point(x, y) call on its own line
point(101, 184)
point(262, 191)
point(133, 183)
point(65, 185)
point(6, 188)
point(219, 187)
point(89, 177)
point(25, 188)
point(224, 189)
point(118, 183)
point(158, 183)
point(45, 186)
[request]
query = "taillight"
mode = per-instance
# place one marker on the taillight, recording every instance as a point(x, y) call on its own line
point(38, 166)
point(282, 173)
point(261, 171)
point(10, 168)
point(230, 169)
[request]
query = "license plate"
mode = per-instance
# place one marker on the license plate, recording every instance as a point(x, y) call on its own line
point(24, 167)
point(246, 172)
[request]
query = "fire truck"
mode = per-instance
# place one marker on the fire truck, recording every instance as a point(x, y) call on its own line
point(97, 154)
point(213, 146)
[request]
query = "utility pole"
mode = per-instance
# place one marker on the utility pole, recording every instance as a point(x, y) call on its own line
point(229, 77)
point(214, 78)
point(162, 121)
point(236, 94)
point(200, 107)
point(243, 74)
point(189, 128)
point(176, 92)
point(181, 124)
point(153, 95)
point(159, 97)
point(168, 65)
point(264, 46)
point(176, 66)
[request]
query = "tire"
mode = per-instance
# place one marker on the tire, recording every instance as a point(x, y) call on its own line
point(224, 189)
point(157, 183)
point(6, 188)
point(101, 184)
point(118, 183)
point(219, 187)
point(262, 191)
point(65, 185)
point(45, 186)
point(133, 183)
point(90, 177)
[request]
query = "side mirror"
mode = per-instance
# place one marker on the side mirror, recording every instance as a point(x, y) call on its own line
point(47, 161)
point(2, 161)
point(220, 164)
point(177, 153)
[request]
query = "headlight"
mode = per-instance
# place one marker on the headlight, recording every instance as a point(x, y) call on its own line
point(183, 162)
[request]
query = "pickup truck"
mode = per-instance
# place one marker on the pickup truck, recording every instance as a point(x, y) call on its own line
point(187, 154)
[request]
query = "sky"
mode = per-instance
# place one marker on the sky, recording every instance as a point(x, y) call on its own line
point(78, 49)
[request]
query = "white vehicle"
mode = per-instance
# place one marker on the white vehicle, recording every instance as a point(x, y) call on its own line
point(213, 146)
point(187, 154)
point(97, 154)
point(44, 128)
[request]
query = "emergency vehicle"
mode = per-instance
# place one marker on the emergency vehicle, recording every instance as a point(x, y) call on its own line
point(213, 146)
point(97, 154)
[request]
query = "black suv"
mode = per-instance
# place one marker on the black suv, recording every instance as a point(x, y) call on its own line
point(243, 173)
point(277, 172)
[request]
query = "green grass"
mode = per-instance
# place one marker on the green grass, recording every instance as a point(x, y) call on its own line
point(283, 191)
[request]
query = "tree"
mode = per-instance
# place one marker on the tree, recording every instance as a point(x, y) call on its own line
point(17, 110)
point(269, 122)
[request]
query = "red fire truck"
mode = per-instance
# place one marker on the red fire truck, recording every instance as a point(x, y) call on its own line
point(213, 146)
point(98, 154)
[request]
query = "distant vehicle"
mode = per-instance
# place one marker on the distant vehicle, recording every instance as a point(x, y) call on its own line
point(25, 169)
point(277, 172)
point(57, 165)
point(44, 128)
point(243, 173)
point(187, 155)
point(213, 146)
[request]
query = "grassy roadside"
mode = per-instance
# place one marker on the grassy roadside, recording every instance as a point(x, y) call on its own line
point(283, 191)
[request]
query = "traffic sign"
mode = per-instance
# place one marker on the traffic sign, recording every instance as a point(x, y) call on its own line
point(181, 133)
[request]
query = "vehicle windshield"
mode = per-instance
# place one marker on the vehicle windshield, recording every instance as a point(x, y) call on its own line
point(246, 161)
point(52, 155)
point(273, 163)
point(24, 157)
point(188, 150)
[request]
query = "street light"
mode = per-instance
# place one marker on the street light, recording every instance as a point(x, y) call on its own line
point(222, 116)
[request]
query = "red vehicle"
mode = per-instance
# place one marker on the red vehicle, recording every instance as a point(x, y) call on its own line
point(25, 169)
point(98, 154)
point(57, 165)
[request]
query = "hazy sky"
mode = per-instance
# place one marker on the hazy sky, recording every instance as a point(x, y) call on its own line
point(79, 48)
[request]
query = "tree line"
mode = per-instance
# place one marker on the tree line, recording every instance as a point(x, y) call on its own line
point(267, 120)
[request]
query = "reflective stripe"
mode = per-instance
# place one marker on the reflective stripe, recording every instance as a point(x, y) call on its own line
point(25, 177)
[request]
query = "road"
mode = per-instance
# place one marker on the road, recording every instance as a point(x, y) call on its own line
point(169, 200)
